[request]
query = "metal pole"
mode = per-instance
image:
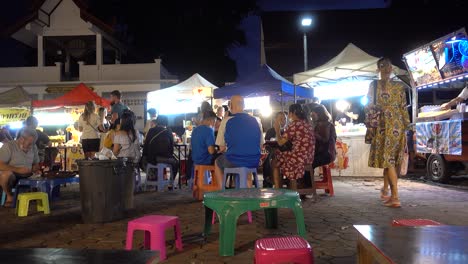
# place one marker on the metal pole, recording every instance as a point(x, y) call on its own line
point(295, 97)
point(305, 52)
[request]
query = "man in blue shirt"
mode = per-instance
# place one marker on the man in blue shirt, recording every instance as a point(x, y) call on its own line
point(241, 137)
point(203, 141)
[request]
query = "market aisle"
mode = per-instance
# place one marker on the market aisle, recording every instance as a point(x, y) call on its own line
point(329, 222)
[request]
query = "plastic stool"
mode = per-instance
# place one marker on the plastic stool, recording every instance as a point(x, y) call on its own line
point(201, 182)
point(23, 202)
point(415, 222)
point(155, 227)
point(326, 183)
point(242, 173)
point(160, 183)
point(293, 249)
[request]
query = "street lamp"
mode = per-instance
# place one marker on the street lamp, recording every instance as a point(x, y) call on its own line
point(306, 23)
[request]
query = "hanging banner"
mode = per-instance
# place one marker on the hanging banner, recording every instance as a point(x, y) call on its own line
point(442, 137)
point(9, 115)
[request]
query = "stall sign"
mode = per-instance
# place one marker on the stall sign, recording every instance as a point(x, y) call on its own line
point(441, 137)
point(9, 115)
point(202, 91)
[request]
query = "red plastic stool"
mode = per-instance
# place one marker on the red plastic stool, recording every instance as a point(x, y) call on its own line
point(154, 227)
point(291, 249)
point(326, 183)
point(415, 222)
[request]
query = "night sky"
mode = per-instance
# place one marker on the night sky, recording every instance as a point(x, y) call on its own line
point(200, 36)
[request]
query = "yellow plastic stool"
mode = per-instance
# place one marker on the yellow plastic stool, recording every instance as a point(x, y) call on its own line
point(42, 199)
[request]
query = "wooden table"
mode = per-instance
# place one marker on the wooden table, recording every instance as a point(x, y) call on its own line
point(407, 245)
point(230, 204)
point(75, 256)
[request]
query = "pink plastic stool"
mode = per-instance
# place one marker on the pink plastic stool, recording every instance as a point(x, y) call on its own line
point(213, 218)
point(154, 227)
point(415, 222)
point(291, 249)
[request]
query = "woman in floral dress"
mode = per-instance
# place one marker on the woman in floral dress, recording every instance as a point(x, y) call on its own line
point(300, 134)
point(388, 143)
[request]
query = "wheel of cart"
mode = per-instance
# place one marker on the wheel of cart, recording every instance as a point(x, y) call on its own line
point(438, 169)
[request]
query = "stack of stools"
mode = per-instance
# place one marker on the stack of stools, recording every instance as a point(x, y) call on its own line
point(154, 227)
point(293, 249)
point(161, 183)
point(326, 183)
point(415, 222)
point(202, 183)
point(42, 202)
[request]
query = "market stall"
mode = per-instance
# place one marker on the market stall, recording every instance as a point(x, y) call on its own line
point(62, 113)
point(15, 107)
point(441, 134)
point(263, 90)
point(346, 76)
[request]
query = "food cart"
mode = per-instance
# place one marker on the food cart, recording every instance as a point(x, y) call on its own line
point(441, 135)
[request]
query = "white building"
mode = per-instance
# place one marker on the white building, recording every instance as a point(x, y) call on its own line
point(72, 47)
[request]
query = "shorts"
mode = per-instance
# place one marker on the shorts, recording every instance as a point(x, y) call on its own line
point(91, 145)
point(13, 181)
point(222, 162)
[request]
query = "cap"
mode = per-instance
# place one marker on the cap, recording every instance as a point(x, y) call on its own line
point(151, 111)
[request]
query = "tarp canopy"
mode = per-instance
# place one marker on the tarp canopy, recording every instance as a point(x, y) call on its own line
point(264, 82)
point(16, 97)
point(184, 97)
point(195, 85)
point(352, 61)
point(80, 95)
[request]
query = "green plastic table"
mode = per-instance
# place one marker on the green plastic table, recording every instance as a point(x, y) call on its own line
point(230, 204)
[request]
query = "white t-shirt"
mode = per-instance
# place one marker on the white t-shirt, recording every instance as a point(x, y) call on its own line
point(128, 149)
point(464, 93)
point(90, 128)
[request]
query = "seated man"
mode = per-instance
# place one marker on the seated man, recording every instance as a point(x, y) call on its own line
point(203, 141)
point(42, 141)
point(18, 159)
point(241, 137)
point(159, 144)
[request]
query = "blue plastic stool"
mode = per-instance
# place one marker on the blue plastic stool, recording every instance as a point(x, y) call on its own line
point(241, 174)
point(160, 183)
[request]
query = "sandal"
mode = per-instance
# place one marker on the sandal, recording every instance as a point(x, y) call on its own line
point(8, 204)
point(393, 203)
point(384, 194)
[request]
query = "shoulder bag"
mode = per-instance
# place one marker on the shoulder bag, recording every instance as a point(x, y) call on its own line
point(372, 118)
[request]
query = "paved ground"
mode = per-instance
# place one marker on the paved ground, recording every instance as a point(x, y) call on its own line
point(328, 222)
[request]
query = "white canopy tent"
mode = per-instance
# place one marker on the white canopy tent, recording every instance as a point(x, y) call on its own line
point(183, 97)
point(352, 65)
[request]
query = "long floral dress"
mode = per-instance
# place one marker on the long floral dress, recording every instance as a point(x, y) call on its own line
point(292, 163)
point(388, 144)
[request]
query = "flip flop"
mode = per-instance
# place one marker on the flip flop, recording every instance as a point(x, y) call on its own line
point(8, 204)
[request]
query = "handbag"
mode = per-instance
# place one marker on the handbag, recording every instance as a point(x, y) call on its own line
point(286, 146)
point(373, 112)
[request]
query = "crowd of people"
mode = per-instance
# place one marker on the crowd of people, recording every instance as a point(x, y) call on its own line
point(303, 139)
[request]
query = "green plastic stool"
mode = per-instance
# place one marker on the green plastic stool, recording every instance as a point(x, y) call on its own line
point(230, 204)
